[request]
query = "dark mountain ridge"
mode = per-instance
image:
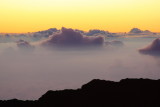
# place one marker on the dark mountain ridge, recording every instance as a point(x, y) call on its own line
point(99, 93)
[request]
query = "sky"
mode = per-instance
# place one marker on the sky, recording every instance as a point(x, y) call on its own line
point(20, 16)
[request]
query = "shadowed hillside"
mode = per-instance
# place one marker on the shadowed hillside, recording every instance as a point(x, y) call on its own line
point(99, 93)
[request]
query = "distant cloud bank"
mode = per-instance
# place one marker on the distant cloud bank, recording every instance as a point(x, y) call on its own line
point(139, 31)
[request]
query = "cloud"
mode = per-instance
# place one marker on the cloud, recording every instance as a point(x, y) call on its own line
point(96, 32)
point(139, 31)
point(70, 37)
point(152, 49)
point(45, 33)
point(136, 30)
point(24, 45)
point(115, 43)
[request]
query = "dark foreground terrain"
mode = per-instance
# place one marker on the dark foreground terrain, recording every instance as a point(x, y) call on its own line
point(99, 93)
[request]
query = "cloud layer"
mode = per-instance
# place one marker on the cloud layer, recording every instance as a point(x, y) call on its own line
point(27, 75)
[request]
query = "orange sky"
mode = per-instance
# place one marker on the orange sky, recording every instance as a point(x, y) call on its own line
point(19, 16)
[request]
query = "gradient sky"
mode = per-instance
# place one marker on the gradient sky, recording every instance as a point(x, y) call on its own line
point(112, 15)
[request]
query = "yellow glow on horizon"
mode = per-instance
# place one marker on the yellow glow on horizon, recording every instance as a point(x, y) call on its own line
point(112, 15)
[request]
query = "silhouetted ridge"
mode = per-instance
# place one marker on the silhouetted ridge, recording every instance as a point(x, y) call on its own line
point(97, 84)
point(100, 93)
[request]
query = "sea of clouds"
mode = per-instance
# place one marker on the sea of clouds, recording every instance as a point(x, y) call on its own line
point(68, 59)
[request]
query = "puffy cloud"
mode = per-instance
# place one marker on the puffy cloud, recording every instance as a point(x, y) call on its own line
point(24, 45)
point(45, 33)
point(70, 37)
point(136, 30)
point(153, 48)
point(147, 31)
point(96, 32)
point(139, 31)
